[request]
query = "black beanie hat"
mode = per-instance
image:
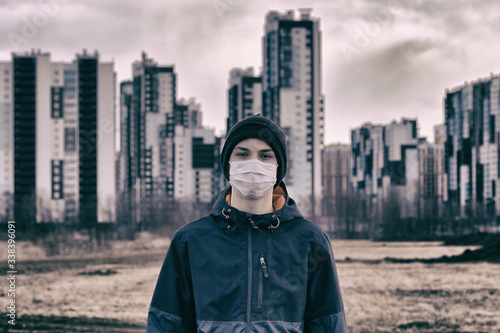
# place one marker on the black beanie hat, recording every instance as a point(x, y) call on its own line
point(256, 127)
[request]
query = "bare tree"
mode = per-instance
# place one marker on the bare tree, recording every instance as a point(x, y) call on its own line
point(25, 213)
point(126, 225)
point(7, 213)
point(44, 210)
point(391, 216)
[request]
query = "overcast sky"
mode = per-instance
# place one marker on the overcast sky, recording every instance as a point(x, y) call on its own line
point(382, 60)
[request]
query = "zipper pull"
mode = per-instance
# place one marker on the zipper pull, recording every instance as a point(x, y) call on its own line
point(264, 267)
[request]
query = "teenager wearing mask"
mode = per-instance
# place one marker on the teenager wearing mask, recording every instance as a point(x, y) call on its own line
point(254, 264)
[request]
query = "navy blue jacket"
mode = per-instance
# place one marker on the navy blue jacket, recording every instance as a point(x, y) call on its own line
point(232, 271)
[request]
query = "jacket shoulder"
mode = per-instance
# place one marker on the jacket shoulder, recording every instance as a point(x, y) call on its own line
point(312, 231)
point(196, 227)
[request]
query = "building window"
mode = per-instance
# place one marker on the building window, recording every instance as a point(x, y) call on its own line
point(57, 106)
point(57, 183)
point(70, 139)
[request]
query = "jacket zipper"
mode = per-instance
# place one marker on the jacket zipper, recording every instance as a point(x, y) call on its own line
point(264, 267)
point(249, 292)
point(264, 275)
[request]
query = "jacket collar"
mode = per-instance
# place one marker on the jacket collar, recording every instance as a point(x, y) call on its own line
point(279, 198)
point(284, 206)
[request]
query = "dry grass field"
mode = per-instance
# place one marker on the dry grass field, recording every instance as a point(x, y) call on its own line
point(111, 291)
point(416, 297)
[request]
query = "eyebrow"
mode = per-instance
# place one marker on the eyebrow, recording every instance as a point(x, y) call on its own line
point(267, 150)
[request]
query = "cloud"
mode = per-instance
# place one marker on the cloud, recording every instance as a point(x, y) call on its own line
point(383, 78)
point(424, 48)
point(406, 67)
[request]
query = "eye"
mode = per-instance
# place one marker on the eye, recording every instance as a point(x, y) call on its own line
point(241, 154)
point(266, 156)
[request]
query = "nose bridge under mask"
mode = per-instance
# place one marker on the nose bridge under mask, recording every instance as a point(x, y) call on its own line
point(252, 166)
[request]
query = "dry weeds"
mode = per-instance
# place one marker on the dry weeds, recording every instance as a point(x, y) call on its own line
point(378, 296)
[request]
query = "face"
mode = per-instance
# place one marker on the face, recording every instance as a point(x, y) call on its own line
point(253, 149)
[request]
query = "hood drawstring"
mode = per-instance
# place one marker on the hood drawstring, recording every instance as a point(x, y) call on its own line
point(228, 225)
point(275, 221)
point(226, 215)
point(275, 218)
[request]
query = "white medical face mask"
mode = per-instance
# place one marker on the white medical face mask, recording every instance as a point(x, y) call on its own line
point(253, 178)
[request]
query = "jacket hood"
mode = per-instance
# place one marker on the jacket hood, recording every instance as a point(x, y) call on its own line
point(285, 210)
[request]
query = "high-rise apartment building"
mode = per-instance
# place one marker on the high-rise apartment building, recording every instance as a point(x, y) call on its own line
point(432, 180)
point(244, 95)
point(58, 138)
point(440, 133)
point(127, 164)
point(384, 159)
point(195, 158)
point(93, 90)
point(401, 141)
point(166, 154)
point(147, 106)
point(153, 99)
point(193, 155)
point(292, 97)
point(368, 158)
point(472, 146)
point(6, 143)
point(336, 176)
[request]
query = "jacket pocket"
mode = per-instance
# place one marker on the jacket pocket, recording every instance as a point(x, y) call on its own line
point(263, 274)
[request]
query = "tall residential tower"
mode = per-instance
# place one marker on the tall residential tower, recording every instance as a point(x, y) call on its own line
point(58, 139)
point(244, 95)
point(472, 119)
point(166, 155)
point(385, 159)
point(292, 97)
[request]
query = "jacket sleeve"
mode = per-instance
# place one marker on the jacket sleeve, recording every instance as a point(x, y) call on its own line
point(324, 306)
point(172, 306)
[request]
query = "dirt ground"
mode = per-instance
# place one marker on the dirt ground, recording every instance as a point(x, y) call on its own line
point(111, 292)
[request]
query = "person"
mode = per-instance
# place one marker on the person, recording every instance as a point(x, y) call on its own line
point(254, 264)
